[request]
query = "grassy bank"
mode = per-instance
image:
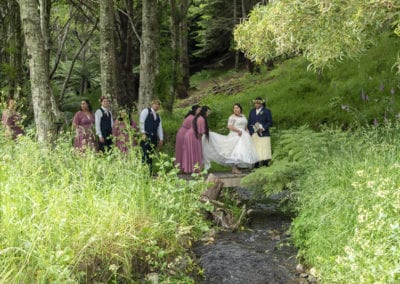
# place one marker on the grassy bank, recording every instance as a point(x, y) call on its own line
point(68, 218)
point(344, 191)
point(348, 205)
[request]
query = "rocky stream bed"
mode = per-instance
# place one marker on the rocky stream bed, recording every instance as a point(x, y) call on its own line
point(260, 252)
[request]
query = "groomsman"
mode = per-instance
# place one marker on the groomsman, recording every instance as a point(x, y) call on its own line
point(152, 131)
point(259, 122)
point(103, 124)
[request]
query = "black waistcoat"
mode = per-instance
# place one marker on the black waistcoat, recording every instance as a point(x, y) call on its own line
point(105, 124)
point(151, 125)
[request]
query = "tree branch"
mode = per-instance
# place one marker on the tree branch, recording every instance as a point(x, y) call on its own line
point(59, 51)
point(79, 4)
point(62, 93)
point(132, 24)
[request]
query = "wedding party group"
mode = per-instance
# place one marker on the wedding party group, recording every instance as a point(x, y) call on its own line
point(121, 131)
point(247, 145)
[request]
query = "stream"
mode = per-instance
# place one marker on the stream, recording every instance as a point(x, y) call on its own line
point(260, 253)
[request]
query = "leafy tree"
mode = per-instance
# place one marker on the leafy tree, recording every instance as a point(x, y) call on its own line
point(214, 20)
point(322, 31)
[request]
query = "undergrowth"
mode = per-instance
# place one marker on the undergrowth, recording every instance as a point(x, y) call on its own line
point(348, 206)
point(68, 218)
point(344, 191)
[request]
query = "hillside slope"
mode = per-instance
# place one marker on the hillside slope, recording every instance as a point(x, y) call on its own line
point(362, 91)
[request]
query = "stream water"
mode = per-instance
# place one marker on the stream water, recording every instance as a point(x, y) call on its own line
point(260, 253)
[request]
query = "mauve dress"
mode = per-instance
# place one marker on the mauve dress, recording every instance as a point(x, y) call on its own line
point(121, 134)
point(12, 121)
point(84, 135)
point(192, 148)
point(180, 137)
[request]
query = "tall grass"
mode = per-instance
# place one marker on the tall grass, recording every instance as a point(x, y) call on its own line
point(349, 204)
point(344, 191)
point(68, 218)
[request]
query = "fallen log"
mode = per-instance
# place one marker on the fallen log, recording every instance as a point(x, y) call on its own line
point(221, 215)
point(214, 190)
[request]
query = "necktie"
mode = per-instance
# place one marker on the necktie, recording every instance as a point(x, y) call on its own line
point(154, 114)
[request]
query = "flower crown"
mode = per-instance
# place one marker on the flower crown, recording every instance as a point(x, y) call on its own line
point(261, 101)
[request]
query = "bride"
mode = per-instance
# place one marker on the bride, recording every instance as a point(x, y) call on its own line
point(235, 149)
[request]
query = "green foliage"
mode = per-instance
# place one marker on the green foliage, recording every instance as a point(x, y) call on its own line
point(323, 32)
point(214, 23)
point(348, 228)
point(345, 191)
point(274, 179)
point(67, 217)
point(206, 75)
point(295, 151)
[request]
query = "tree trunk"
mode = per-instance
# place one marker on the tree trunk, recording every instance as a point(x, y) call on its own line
point(107, 51)
point(148, 53)
point(174, 29)
point(128, 55)
point(16, 55)
point(184, 51)
point(39, 77)
point(11, 49)
point(235, 22)
point(45, 8)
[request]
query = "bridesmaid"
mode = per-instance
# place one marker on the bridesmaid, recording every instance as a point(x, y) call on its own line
point(124, 136)
point(11, 119)
point(83, 122)
point(180, 135)
point(192, 156)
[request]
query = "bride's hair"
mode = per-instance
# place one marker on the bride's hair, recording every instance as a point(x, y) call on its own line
point(202, 113)
point(239, 106)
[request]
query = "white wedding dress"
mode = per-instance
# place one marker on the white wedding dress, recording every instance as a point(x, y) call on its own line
point(231, 149)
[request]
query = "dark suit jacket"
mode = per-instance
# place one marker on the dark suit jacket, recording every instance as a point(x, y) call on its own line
point(264, 117)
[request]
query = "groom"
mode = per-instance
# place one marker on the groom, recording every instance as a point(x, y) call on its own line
point(259, 122)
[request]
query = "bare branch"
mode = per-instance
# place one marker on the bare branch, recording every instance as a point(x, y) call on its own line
point(65, 29)
point(62, 93)
point(132, 24)
point(78, 4)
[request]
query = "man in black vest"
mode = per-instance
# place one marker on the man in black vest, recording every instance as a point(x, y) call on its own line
point(152, 132)
point(104, 123)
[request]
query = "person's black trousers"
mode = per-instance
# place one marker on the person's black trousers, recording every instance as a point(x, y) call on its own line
point(148, 149)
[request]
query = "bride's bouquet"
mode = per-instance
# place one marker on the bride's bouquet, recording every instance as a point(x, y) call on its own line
point(257, 127)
